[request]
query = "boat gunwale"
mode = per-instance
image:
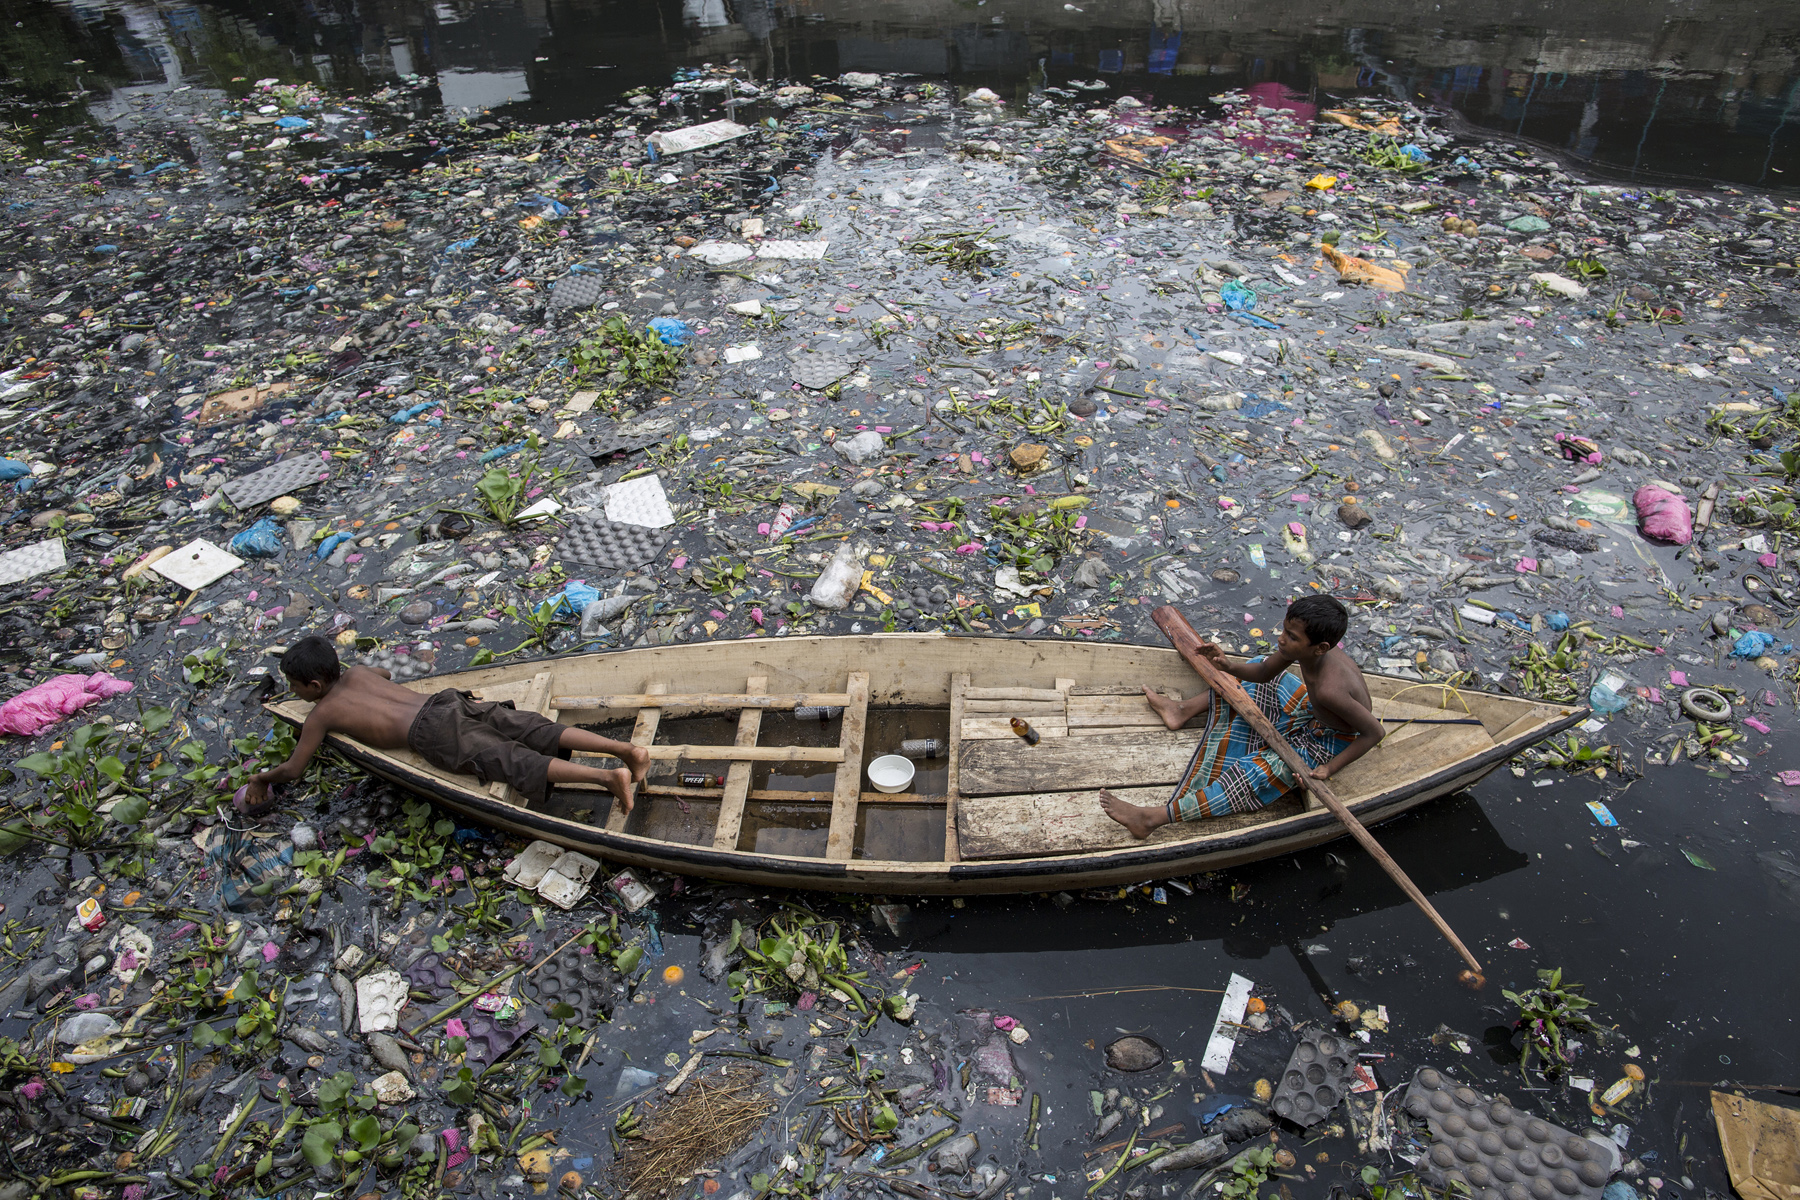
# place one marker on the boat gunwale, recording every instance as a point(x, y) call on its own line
point(702, 859)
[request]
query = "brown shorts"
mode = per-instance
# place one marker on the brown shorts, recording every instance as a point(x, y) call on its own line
point(487, 739)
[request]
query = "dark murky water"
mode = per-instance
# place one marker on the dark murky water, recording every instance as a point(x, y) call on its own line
point(1708, 91)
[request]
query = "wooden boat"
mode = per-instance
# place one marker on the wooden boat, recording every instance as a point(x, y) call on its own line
point(788, 805)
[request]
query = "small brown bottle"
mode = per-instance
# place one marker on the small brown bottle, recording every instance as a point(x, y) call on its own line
point(695, 779)
point(1025, 731)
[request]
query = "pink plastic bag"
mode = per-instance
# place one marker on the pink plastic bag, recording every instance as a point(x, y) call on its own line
point(36, 709)
point(1664, 516)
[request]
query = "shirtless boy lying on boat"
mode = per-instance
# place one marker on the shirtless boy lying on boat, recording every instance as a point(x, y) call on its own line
point(450, 730)
point(1324, 715)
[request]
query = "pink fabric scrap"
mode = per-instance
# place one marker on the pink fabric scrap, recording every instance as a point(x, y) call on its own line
point(1663, 515)
point(1756, 724)
point(1678, 679)
point(36, 709)
point(1527, 565)
point(1767, 561)
point(454, 1027)
point(1006, 1024)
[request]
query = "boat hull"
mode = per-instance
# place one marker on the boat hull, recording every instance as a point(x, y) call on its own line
point(904, 671)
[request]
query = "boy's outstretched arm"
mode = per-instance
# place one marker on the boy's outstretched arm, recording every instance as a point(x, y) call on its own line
point(1351, 711)
point(1269, 668)
point(312, 735)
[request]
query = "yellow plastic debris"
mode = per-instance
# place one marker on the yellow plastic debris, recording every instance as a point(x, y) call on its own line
point(1322, 183)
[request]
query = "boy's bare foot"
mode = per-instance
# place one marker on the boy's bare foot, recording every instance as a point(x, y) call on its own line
point(1136, 818)
point(1169, 710)
point(637, 761)
point(621, 783)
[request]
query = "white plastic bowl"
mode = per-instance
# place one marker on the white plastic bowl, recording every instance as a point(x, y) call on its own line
point(891, 773)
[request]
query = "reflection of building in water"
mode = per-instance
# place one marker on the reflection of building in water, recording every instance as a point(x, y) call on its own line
point(1712, 92)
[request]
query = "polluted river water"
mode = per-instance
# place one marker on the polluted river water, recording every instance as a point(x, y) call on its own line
point(1015, 320)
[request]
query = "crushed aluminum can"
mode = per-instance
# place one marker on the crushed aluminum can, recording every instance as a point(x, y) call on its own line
point(91, 916)
point(631, 890)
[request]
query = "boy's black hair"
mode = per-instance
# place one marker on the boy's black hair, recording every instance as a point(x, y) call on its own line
point(1325, 619)
point(312, 659)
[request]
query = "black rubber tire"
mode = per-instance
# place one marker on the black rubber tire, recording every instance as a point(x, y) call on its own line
point(1704, 704)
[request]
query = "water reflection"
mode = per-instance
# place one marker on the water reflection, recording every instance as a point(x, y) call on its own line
point(1712, 93)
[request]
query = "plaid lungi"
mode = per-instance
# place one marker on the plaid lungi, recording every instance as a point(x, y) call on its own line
point(1234, 771)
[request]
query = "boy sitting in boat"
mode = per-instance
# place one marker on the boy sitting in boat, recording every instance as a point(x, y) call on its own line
point(1324, 715)
point(450, 730)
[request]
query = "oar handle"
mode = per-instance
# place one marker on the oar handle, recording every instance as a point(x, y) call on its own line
point(1182, 636)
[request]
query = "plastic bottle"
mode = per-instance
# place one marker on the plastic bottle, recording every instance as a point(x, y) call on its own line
point(817, 712)
point(1024, 730)
point(784, 517)
point(923, 748)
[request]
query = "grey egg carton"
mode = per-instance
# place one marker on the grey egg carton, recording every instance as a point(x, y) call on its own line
point(610, 545)
point(582, 981)
point(400, 667)
point(820, 371)
point(616, 439)
point(288, 475)
point(1497, 1152)
point(1317, 1078)
point(576, 291)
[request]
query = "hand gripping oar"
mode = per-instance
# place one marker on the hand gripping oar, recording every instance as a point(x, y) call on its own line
point(1176, 628)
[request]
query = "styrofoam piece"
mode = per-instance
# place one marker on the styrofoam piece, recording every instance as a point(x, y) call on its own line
point(696, 137)
point(39, 558)
point(1316, 1079)
point(639, 501)
point(543, 508)
point(613, 545)
point(1224, 1031)
point(820, 371)
point(288, 475)
point(749, 352)
point(616, 439)
point(379, 995)
point(568, 880)
point(528, 868)
point(1495, 1152)
point(793, 251)
point(719, 254)
point(196, 564)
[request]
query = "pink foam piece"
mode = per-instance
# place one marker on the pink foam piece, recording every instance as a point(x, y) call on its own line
point(1756, 724)
point(1678, 679)
point(36, 709)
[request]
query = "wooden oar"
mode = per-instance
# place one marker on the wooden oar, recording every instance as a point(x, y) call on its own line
point(1176, 628)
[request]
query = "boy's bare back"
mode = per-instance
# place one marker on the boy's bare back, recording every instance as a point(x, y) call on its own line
point(1339, 694)
point(368, 706)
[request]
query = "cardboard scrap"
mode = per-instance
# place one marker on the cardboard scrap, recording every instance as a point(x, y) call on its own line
point(1762, 1147)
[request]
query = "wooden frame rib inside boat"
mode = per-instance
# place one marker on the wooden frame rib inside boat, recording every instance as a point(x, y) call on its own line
point(784, 803)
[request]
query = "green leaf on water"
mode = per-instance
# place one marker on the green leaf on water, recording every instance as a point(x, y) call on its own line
point(320, 1142)
point(366, 1131)
point(1697, 860)
point(130, 810)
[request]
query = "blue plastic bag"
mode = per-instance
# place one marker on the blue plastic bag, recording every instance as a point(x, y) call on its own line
point(265, 539)
point(1755, 644)
point(12, 468)
point(1558, 621)
point(331, 543)
point(671, 331)
point(1604, 701)
point(575, 597)
point(1237, 297)
point(407, 414)
point(294, 123)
